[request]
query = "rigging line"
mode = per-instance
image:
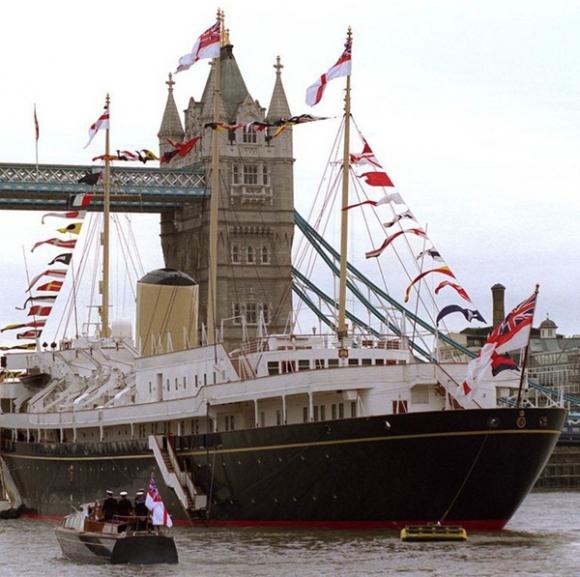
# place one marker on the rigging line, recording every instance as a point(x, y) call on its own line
point(408, 244)
point(127, 253)
point(466, 478)
point(28, 283)
point(137, 253)
point(303, 225)
point(68, 309)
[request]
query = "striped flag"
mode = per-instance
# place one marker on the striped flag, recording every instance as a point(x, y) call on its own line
point(54, 273)
point(55, 242)
point(34, 334)
point(101, 123)
point(342, 67)
point(39, 311)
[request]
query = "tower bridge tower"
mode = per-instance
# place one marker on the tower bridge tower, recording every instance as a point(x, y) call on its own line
point(256, 206)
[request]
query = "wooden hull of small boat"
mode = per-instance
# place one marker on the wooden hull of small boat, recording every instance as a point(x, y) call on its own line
point(143, 549)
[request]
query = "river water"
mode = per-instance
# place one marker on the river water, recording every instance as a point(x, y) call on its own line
point(542, 540)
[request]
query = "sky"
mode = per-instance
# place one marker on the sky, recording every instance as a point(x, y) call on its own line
point(473, 109)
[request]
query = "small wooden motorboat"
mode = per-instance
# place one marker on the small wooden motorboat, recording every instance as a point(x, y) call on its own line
point(122, 540)
point(433, 532)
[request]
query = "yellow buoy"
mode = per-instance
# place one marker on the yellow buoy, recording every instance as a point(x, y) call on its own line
point(433, 532)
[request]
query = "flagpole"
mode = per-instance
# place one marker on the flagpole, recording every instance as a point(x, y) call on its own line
point(525, 361)
point(105, 331)
point(214, 200)
point(342, 330)
point(36, 134)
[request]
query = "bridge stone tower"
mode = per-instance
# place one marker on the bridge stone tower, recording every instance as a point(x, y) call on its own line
point(256, 219)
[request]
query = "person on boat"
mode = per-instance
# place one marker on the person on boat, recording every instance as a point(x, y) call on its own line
point(109, 507)
point(141, 511)
point(124, 507)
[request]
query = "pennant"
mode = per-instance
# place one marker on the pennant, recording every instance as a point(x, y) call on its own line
point(127, 155)
point(63, 258)
point(102, 123)
point(459, 289)
point(442, 270)
point(104, 157)
point(434, 254)
point(55, 273)
point(168, 156)
point(55, 242)
point(33, 324)
point(393, 197)
point(467, 313)
point(367, 156)
point(376, 178)
point(52, 286)
point(72, 228)
point(342, 67)
point(377, 251)
point(37, 298)
point(144, 155)
point(24, 347)
point(34, 334)
point(82, 199)
point(284, 123)
point(398, 217)
point(36, 126)
point(39, 311)
point(180, 148)
point(206, 46)
point(90, 178)
point(70, 214)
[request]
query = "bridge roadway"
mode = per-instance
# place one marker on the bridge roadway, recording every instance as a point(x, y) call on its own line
point(52, 187)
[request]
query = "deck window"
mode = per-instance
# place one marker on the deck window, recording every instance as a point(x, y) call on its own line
point(273, 368)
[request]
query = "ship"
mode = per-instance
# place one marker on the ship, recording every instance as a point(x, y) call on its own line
point(241, 421)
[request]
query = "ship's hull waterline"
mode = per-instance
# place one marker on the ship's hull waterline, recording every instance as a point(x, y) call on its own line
point(470, 467)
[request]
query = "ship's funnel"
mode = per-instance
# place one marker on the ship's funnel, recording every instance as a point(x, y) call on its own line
point(167, 303)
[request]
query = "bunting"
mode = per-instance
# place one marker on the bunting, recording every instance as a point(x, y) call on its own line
point(82, 199)
point(376, 178)
point(434, 254)
point(377, 251)
point(70, 214)
point(90, 178)
point(52, 286)
point(55, 242)
point(33, 334)
point(367, 156)
point(55, 273)
point(441, 270)
point(458, 288)
point(393, 197)
point(399, 217)
point(104, 157)
point(33, 324)
point(144, 155)
point(73, 228)
point(23, 347)
point(469, 314)
point(63, 258)
point(127, 155)
point(37, 298)
point(179, 148)
point(39, 311)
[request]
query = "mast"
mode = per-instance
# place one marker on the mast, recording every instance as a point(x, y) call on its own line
point(342, 330)
point(105, 329)
point(214, 200)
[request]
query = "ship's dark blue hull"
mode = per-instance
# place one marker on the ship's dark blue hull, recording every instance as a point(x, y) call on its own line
point(469, 467)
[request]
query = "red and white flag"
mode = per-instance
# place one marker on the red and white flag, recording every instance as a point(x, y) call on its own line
point(342, 67)
point(51, 272)
point(154, 503)
point(39, 311)
point(82, 200)
point(70, 214)
point(378, 251)
point(101, 123)
point(55, 242)
point(367, 156)
point(206, 46)
point(29, 334)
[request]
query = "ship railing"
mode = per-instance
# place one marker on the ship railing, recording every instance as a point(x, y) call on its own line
point(318, 341)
